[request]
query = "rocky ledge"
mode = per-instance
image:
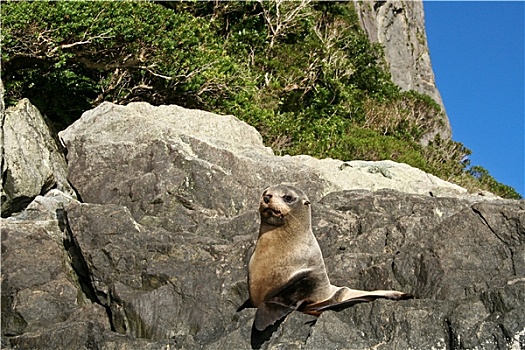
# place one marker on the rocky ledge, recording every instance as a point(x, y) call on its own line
point(149, 251)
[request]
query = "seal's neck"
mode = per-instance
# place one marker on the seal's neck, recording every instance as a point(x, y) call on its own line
point(291, 228)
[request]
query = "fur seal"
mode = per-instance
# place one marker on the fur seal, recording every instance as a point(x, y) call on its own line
point(286, 271)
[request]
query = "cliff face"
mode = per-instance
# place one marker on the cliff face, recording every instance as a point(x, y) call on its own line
point(400, 27)
point(152, 254)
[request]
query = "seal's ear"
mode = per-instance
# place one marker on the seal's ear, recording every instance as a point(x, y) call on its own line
point(306, 202)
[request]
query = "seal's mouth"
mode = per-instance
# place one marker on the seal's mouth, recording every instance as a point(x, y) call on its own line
point(271, 211)
point(272, 216)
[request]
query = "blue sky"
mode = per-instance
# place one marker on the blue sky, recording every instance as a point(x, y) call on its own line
point(477, 54)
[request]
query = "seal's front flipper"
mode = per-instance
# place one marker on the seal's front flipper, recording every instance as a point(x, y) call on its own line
point(268, 313)
point(292, 296)
point(258, 338)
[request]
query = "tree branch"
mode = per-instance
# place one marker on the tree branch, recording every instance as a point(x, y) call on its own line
point(84, 42)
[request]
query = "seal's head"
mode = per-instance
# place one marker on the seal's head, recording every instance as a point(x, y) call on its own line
point(281, 202)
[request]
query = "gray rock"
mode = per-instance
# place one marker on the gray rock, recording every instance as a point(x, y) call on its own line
point(155, 160)
point(158, 284)
point(464, 273)
point(460, 258)
point(155, 256)
point(41, 296)
point(31, 163)
point(400, 27)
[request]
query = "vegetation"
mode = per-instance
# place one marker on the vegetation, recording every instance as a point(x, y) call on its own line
point(303, 73)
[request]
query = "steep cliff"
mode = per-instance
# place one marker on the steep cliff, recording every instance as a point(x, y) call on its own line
point(153, 253)
point(400, 27)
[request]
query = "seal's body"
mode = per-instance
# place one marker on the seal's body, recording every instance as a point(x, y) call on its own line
point(286, 271)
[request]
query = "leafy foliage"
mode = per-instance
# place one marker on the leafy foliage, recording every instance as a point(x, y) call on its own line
point(303, 73)
point(116, 51)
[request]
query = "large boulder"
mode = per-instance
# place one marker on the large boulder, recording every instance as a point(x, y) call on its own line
point(31, 163)
point(156, 248)
point(155, 160)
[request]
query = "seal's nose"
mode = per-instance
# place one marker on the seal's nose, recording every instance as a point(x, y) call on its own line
point(266, 198)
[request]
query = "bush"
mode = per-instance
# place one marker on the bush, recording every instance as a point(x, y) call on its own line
point(71, 55)
point(487, 181)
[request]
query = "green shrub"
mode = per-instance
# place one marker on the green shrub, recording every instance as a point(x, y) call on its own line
point(70, 55)
point(488, 182)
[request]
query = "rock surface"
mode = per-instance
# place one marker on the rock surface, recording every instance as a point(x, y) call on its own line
point(31, 163)
point(400, 27)
point(41, 296)
point(153, 254)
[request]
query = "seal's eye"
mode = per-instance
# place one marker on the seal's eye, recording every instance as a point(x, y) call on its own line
point(288, 199)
